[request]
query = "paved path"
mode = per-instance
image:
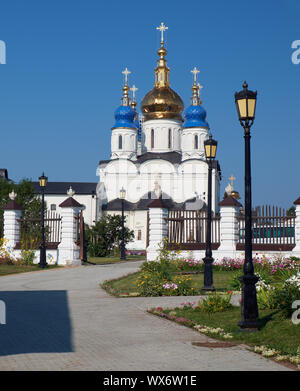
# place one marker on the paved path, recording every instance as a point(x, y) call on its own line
point(63, 320)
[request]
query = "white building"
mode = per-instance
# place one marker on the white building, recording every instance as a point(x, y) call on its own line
point(163, 154)
point(85, 194)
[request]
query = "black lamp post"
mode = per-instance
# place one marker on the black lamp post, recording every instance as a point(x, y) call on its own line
point(210, 147)
point(43, 183)
point(123, 253)
point(245, 101)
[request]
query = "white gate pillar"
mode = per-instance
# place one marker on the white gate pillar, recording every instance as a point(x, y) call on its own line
point(157, 227)
point(229, 229)
point(296, 249)
point(68, 250)
point(12, 214)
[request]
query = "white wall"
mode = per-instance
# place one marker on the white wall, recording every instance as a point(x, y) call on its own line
point(89, 212)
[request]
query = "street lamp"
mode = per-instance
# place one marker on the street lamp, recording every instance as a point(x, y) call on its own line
point(122, 196)
point(245, 101)
point(43, 183)
point(210, 147)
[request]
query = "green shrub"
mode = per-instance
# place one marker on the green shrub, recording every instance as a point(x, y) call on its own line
point(27, 257)
point(215, 303)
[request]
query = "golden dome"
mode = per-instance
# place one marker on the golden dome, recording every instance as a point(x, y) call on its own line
point(162, 101)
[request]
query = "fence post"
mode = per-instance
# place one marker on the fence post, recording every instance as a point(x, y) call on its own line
point(296, 249)
point(68, 250)
point(229, 229)
point(11, 223)
point(157, 227)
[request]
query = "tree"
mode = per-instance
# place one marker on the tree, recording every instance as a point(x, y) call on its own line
point(25, 197)
point(291, 211)
point(104, 238)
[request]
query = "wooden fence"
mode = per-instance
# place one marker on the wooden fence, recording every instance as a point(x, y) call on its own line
point(272, 230)
point(187, 230)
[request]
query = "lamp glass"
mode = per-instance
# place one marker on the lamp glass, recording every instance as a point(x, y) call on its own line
point(122, 193)
point(43, 181)
point(210, 149)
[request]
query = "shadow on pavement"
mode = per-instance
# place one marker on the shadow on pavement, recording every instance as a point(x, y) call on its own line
point(36, 322)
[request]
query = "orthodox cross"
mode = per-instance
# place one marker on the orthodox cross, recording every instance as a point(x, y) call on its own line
point(195, 72)
point(134, 90)
point(126, 72)
point(70, 192)
point(232, 178)
point(162, 28)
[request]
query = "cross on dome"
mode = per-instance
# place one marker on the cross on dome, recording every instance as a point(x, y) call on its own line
point(195, 72)
point(134, 89)
point(162, 28)
point(126, 72)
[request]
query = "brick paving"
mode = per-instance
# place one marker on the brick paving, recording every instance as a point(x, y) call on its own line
point(63, 320)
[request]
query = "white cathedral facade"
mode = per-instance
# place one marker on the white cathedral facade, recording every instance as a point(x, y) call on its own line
point(158, 152)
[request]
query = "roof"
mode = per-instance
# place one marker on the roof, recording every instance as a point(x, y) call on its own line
point(143, 203)
point(63, 187)
point(12, 205)
point(70, 202)
point(297, 202)
point(229, 201)
point(172, 157)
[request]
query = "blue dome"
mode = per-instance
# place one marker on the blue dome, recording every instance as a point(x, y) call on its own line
point(124, 116)
point(195, 116)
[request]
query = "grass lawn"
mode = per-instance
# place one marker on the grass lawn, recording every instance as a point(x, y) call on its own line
point(126, 284)
point(275, 333)
point(108, 260)
point(14, 269)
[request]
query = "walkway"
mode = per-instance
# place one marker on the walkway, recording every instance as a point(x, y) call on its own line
point(63, 320)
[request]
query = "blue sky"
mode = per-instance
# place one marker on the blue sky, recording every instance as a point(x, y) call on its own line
point(62, 82)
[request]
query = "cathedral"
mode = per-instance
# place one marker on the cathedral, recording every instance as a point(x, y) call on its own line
point(158, 152)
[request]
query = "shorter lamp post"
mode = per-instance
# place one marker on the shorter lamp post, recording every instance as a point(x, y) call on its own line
point(123, 253)
point(210, 147)
point(245, 101)
point(43, 183)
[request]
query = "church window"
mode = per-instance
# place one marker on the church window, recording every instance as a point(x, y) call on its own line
point(152, 138)
point(139, 234)
point(120, 142)
point(170, 139)
point(196, 142)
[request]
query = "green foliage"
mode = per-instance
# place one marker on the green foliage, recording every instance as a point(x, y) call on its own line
point(27, 257)
point(30, 231)
point(215, 303)
point(291, 211)
point(234, 282)
point(104, 238)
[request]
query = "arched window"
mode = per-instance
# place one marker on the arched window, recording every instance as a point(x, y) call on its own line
point(120, 142)
point(152, 138)
point(170, 138)
point(196, 142)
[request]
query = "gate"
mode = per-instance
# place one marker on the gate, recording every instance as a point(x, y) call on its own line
point(187, 229)
point(272, 230)
point(80, 236)
point(31, 232)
